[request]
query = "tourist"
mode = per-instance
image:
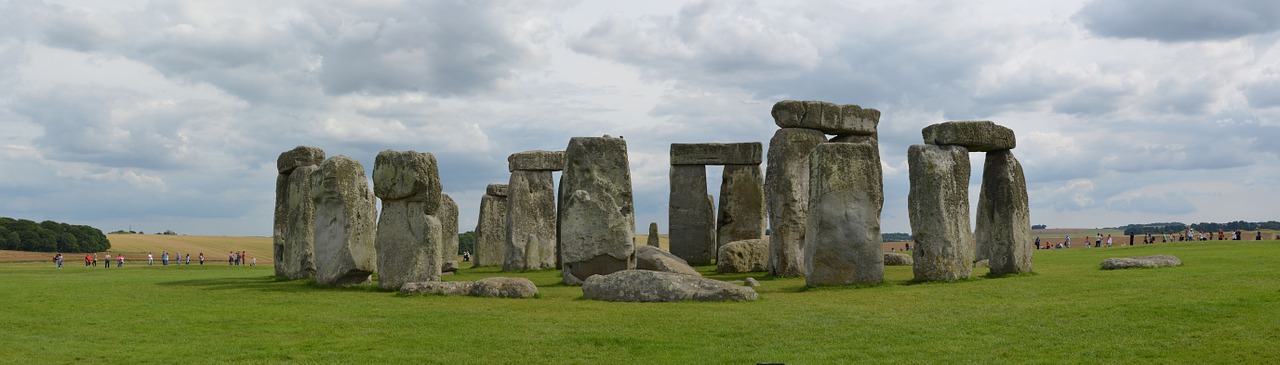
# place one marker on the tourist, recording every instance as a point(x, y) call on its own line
point(1097, 242)
point(255, 262)
point(1037, 243)
point(164, 258)
point(1108, 240)
point(150, 258)
point(908, 247)
point(95, 259)
point(87, 259)
point(119, 261)
point(188, 258)
point(1130, 238)
point(1257, 237)
point(57, 260)
point(244, 258)
point(1066, 241)
point(230, 258)
point(108, 261)
point(202, 259)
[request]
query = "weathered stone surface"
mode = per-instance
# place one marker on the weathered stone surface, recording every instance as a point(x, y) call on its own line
point(598, 236)
point(408, 175)
point(279, 225)
point(981, 263)
point(298, 157)
point(741, 204)
point(873, 139)
point(692, 234)
point(495, 287)
point(450, 267)
point(751, 282)
point(657, 259)
point(408, 244)
point(448, 216)
point(743, 256)
point(938, 206)
point(298, 247)
point(976, 136)
point(897, 259)
point(1003, 232)
point(1140, 262)
point(746, 153)
point(531, 221)
point(536, 161)
point(345, 218)
point(827, 117)
point(786, 187)
point(653, 239)
point(491, 231)
point(657, 286)
point(496, 190)
point(842, 236)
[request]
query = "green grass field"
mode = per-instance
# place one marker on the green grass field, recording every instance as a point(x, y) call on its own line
point(1222, 306)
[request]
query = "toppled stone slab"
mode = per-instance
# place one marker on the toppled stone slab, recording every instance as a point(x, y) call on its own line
point(976, 136)
point(656, 286)
point(495, 287)
point(496, 190)
point(298, 157)
point(656, 259)
point(743, 256)
point(1140, 262)
point(536, 161)
point(747, 153)
point(786, 186)
point(827, 117)
point(897, 259)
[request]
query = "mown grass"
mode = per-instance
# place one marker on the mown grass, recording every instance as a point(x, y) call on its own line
point(1220, 307)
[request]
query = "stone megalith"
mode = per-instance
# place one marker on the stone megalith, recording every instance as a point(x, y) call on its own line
point(536, 161)
point(449, 237)
point(846, 195)
point(743, 153)
point(598, 236)
point(786, 186)
point(653, 235)
point(826, 117)
point(743, 256)
point(1004, 219)
point(408, 240)
point(491, 228)
point(741, 215)
point(345, 217)
point(293, 213)
point(691, 232)
point(938, 206)
point(531, 221)
point(975, 136)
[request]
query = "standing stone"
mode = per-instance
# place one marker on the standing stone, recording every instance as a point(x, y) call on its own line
point(408, 244)
point(691, 234)
point(653, 235)
point(531, 221)
point(598, 235)
point(1004, 219)
point(741, 204)
point(786, 186)
point(287, 163)
point(491, 228)
point(344, 223)
point(560, 198)
point(298, 251)
point(449, 237)
point(846, 194)
point(938, 206)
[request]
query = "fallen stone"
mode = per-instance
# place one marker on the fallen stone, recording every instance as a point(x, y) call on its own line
point(938, 206)
point(743, 256)
point(536, 161)
point(496, 190)
point(1140, 262)
point(657, 286)
point(747, 153)
point(531, 221)
point(842, 236)
point(653, 235)
point(897, 259)
point(1003, 231)
point(692, 232)
point(826, 117)
point(598, 232)
point(345, 220)
point(448, 216)
point(408, 175)
point(751, 282)
point(656, 259)
point(786, 187)
point(495, 287)
point(976, 136)
point(982, 263)
point(298, 157)
point(741, 213)
point(491, 231)
point(450, 266)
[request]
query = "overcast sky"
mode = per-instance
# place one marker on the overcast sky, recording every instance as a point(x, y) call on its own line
point(170, 115)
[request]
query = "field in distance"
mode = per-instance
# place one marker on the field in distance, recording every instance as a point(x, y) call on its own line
point(135, 248)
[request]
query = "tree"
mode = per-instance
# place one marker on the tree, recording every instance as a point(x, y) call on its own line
point(466, 242)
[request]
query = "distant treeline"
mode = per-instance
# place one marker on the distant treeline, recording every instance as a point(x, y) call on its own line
point(50, 236)
point(1172, 227)
point(896, 237)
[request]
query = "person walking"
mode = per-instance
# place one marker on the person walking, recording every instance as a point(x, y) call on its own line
point(1130, 238)
point(188, 258)
point(230, 258)
point(108, 261)
point(150, 258)
point(164, 258)
point(1108, 240)
point(87, 259)
point(202, 259)
point(255, 262)
point(1258, 237)
point(1037, 243)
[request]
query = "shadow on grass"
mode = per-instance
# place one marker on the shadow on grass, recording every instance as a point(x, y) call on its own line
point(267, 283)
point(820, 288)
point(943, 282)
point(1015, 275)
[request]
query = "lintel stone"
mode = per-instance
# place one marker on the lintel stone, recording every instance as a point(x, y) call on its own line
point(746, 153)
point(536, 161)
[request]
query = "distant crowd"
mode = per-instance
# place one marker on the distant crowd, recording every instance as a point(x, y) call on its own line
point(241, 258)
point(1189, 235)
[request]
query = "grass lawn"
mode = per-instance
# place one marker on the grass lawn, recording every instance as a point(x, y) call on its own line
point(1222, 306)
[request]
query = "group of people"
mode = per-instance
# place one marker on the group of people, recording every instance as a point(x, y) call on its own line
point(1189, 235)
point(177, 258)
point(240, 258)
point(91, 260)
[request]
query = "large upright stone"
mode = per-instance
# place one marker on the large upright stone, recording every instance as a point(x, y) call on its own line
point(298, 248)
point(491, 229)
point(286, 164)
point(1004, 219)
point(746, 153)
point(938, 206)
point(826, 117)
point(692, 233)
point(345, 217)
point(786, 187)
point(536, 161)
point(449, 235)
point(741, 204)
point(407, 175)
point(846, 194)
point(531, 221)
point(976, 136)
point(598, 236)
point(408, 244)
point(653, 240)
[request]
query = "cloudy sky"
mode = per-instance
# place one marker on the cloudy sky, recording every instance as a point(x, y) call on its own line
point(169, 115)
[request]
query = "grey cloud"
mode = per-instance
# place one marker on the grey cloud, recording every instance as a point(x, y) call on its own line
point(1263, 94)
point(1153, 204)
point(1090, 101)
point(1180, 20)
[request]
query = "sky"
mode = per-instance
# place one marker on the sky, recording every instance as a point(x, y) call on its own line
point(170, 115)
